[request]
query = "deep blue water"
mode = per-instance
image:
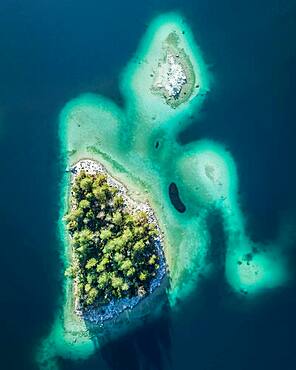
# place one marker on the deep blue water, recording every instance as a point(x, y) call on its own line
point(54, 50)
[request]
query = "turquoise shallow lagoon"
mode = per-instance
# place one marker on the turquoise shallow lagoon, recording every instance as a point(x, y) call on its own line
point(53, 53)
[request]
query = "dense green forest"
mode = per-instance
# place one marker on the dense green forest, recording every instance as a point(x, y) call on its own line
point(113, 250)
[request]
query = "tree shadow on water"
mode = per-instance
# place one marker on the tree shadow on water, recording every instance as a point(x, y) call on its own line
point(146, 348)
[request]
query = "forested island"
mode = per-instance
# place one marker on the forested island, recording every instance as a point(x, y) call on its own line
point(124, 264)
point(114, 252)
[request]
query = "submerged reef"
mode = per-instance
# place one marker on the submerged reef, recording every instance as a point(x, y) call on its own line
point(166, 82)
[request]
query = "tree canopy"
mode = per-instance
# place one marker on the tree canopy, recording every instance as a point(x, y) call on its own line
point(114, 253)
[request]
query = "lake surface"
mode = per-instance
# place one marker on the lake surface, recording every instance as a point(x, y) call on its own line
point(52, 52)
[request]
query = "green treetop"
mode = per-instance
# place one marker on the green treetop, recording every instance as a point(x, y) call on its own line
point(114, 253)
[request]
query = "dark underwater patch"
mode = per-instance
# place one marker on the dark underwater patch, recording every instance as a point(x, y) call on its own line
point(175, 198)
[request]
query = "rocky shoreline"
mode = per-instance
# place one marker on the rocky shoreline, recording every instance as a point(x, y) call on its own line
point(174, 78)
point(114, 308)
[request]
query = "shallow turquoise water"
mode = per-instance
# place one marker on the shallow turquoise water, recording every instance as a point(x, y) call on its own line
point(52, 53)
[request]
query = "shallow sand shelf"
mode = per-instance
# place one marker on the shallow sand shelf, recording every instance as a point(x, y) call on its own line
point(138, 147)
